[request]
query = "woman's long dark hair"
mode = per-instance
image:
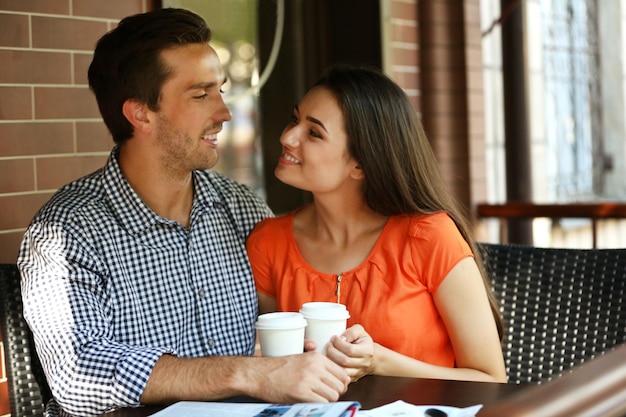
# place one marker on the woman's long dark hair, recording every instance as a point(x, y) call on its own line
point(388, 142)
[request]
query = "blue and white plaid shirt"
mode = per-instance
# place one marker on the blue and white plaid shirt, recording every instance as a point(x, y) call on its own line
point(109, 286)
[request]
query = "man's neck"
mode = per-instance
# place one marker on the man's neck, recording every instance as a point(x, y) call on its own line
point(167, 194)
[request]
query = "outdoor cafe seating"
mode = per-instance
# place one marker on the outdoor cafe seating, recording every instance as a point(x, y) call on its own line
point(561, 307)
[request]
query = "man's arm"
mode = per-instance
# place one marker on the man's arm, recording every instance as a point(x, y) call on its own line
point(88, 371)
point(309, 377)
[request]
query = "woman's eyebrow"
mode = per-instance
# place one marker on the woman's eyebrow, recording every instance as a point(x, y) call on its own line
point(312, 119)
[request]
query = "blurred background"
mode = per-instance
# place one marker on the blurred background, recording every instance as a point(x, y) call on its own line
point(523, 101)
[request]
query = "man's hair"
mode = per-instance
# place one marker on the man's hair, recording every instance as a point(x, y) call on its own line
point(127, 62)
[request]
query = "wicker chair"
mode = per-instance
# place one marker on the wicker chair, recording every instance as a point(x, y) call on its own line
point(28, 389)
point(560, 306)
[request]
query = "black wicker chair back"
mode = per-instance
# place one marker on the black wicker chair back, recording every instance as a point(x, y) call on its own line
point(560, 306)
point(28, 389)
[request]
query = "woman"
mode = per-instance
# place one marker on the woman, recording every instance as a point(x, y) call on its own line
point(382, 236)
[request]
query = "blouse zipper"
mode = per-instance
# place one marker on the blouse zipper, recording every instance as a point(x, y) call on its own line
point(338, 288)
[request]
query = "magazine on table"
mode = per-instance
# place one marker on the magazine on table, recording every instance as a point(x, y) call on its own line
point(222, 409)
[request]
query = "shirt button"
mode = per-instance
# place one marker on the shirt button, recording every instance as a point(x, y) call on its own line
point(211, 342)
point(201, 293)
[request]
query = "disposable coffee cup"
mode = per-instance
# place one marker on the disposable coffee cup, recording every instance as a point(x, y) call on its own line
point(324, 320)
point(281, 333)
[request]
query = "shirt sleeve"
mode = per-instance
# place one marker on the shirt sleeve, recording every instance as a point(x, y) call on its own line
point(437, 247)
point(258, 245)
point(65, 304)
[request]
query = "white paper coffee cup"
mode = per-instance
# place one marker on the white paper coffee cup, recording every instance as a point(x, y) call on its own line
point(281, 333)
point(324, 320)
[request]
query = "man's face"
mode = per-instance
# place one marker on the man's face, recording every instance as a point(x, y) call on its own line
point(191, 109)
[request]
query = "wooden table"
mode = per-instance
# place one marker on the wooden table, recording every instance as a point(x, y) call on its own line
point(374, 391)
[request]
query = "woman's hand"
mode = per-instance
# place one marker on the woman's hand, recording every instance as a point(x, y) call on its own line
point(354, 350)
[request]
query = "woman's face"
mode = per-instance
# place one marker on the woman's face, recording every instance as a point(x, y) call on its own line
point(315, 155)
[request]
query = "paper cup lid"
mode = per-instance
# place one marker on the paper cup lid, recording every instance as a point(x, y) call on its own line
point(319, 310)
point(280, 320)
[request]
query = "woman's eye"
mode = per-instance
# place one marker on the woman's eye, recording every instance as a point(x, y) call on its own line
point(222, 91)
point(313, 133)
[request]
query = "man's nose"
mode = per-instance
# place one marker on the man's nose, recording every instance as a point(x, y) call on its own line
point(223, 114)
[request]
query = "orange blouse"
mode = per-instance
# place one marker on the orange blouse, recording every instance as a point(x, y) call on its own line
point(389, 294)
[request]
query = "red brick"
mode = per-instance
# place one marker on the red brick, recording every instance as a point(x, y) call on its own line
point(442, 125)
point(401, 10)
point(15, 103)
point(449, 148)
point(474, 58)
point(93, 137)
point(34, 67)
point(416, 102)
point(81, 66)
point(407, 80)
point(65, 103)
point(471, 12)
point(52, 173)
point(10, 244)
point(450, 80)
point(16, 212)
point(443, 11)
point(406, 57)
point(38, 6)
point(17, 175)
point(114, 9)
point(444, 34)
point(447, 103)
point(404, 33)
point(437, 58)
point(475, 80)
point(475, 103)
point(14, 31)
point(66, 33)
point(20, 139)
point(476, 125)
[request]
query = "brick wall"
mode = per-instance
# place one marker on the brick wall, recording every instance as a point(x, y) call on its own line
point(403, 47)
point(434, 52)
point(50, 128)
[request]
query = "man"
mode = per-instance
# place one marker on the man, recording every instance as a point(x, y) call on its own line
point(136, 281)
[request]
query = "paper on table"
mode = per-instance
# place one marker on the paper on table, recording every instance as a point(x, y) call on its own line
point(404, 409)
point(222, 409)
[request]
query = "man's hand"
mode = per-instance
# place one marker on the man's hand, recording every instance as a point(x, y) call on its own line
point(307, 377)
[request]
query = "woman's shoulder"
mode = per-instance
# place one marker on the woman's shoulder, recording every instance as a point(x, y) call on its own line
point(271, 226)
point(421, 225)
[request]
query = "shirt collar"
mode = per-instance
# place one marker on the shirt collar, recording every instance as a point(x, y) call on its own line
point(133, 213)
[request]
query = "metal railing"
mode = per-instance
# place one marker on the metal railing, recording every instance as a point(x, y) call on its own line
point(525, 210)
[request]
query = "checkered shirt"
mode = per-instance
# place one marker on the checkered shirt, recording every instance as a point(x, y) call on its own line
point(109, 286)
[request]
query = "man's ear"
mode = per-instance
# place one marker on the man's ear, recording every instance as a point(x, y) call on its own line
point(137, 114)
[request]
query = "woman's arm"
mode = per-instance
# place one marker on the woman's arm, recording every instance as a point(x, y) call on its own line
point(462, 303)
point(267, 304)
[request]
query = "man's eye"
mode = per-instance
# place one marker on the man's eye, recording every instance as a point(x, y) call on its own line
point(201, 96)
